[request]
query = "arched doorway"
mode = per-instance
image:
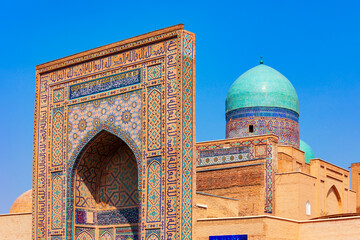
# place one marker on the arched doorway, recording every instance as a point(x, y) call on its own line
point(105, 191)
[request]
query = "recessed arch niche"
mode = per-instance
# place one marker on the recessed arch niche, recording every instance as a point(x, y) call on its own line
point(105, 187)
point(333, 201)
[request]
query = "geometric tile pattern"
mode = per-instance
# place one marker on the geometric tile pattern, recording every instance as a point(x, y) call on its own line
point(58, 95)
point(154, 118)
point(89, 170)
point(56, 237)
point(57, 202)
point(57, 137)
point(106, 182)
point(154, 189)
point(106, 234)
point(82, 233)
point(188, 61)
point(221, 156)
point(154, 72)
point(153, 234)
point(126, 233)
point(117, 216)
point(266, 120)
point(260, 147)
point(270, 179)
point(101, 134)
point(209, 161)
point(118, 181)
point(262, 112)
point(121, 110)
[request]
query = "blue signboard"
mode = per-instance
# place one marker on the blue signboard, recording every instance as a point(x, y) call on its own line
point(229, 237)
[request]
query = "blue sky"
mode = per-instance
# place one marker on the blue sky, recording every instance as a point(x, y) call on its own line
point(315, 44)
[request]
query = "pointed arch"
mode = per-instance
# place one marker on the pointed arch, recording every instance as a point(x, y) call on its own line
point(94, 134)
point(333, 201)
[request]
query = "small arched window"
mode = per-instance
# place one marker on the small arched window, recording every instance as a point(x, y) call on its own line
point(308, 208)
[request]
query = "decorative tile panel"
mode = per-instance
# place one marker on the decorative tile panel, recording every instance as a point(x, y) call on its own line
point(57, 137)
point(152, 234)
point(93, 101)
point(126, 233)
point(58, 95)
point(221, 156)
point(154, 119)
point(122, 110)
point(105, 84)
point(82, 233)
point(57, 203)
point(154, 72)
point(265, 120)
point(154, 189)
point(254, 148)
point(106, 234)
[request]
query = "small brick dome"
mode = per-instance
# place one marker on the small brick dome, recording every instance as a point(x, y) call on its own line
point(22, 204)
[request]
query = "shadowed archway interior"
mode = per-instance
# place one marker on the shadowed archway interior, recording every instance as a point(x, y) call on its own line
point(106, 189)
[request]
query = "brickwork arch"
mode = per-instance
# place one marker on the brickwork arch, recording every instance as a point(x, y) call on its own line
point(333, 201)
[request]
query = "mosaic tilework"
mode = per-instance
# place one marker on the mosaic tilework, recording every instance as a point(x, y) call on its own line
point(152, 234)
point(106, 234)
point(270, 179)
point(280, 122)
point(118, 216)
point(140, 54)
point(105, 84)
point(222, 156)
point(188, 62)
point(118, 182)
point(82, 233)
point(286, 130)
point(154, 72)
point(90, 168)
point(254, 148)
point(57, 137)
point(58, 95)
point(57, 204)
point(105, 182)
point(172, 144)
point(122, 110)
point(262, 112)
point(77, 70)
point(105, 134)
point(56, 237)
point(154, 119)
point(154, 189)
point(126, 233)
point(80, 216)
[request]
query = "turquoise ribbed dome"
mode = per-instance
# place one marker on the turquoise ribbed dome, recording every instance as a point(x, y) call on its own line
point(262, 86)
point(309, 154)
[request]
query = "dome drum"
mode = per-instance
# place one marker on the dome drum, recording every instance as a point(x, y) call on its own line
point(249, 122)
point(262, 112)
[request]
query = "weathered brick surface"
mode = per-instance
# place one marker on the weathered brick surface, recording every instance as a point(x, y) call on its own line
point(233, 177)
point(247, 184)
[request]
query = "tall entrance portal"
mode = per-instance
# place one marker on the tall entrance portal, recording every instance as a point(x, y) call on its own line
point(114, 141)
point(106, 189)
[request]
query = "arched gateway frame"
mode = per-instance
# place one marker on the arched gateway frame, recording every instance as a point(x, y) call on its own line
point(73, 163)
point(140, 90)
